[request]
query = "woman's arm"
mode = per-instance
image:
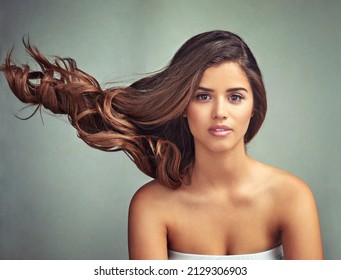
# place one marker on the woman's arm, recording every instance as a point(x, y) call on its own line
point(147, 231)
point(301, 236)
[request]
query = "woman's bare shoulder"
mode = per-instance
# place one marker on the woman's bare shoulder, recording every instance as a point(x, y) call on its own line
point(147, 223)
point(289, 192)
point(152, 190)
point(296, 214)
point(152, 195)
point(286, 184)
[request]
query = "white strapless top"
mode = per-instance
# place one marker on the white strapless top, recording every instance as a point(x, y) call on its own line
point(272, 254)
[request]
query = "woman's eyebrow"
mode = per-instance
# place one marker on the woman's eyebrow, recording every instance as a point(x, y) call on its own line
point(228, 90)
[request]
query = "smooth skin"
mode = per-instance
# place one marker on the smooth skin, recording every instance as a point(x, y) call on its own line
point(234, 204)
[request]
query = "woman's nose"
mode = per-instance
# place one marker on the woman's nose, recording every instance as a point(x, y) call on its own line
point(220, 110)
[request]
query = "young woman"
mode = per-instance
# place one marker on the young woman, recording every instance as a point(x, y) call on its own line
point(187, 127)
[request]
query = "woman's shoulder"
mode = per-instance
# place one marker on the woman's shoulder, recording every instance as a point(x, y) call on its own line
point(288, 189)
point(153, 195)
point(152, 190)
point(296, 215)
point(284, 180)
point(147, 222)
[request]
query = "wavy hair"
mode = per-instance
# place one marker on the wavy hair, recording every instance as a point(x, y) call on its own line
point(145, 119)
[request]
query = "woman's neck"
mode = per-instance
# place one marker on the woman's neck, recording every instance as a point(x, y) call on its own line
point(220, 169)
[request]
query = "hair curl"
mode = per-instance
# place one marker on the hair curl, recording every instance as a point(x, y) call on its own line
point(145, 119)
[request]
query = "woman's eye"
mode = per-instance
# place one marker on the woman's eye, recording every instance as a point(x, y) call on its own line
point(236, 98)
point(202, 97)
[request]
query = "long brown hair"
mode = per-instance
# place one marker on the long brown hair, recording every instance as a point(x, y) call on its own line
point(145, 119)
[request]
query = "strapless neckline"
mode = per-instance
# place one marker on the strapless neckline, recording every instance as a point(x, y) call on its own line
point(272, 254)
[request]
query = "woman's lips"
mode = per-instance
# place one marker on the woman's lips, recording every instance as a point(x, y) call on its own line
point(219, 130)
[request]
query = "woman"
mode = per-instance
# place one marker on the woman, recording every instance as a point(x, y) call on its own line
point(187, 126)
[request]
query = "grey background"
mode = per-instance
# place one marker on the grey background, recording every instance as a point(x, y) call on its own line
point(60, 199)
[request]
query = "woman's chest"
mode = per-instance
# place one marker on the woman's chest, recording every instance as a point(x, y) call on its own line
point(221, 228)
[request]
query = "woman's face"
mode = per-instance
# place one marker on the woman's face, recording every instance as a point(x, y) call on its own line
point(220, 110)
